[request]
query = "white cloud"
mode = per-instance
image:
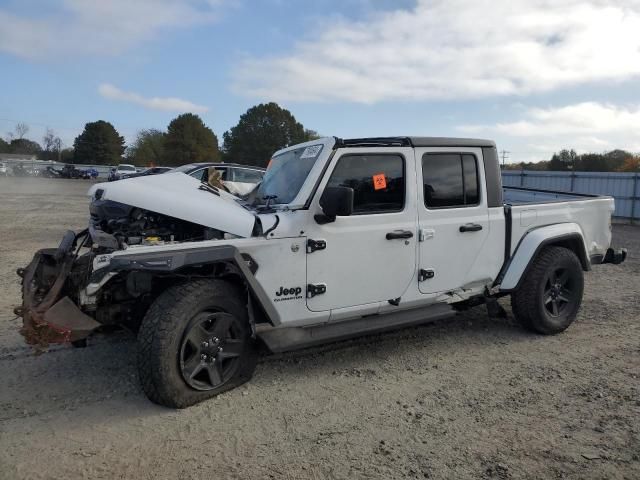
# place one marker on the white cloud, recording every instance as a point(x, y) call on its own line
point(587, 118)
point(98, 26)
point(586, 127)
point(170, 104)
point(454, 49)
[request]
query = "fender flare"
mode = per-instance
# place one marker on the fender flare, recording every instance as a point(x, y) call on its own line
point(563, 234)
point(172, 261)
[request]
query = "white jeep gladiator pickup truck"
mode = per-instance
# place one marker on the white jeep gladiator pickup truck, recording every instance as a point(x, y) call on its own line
point(341, 238)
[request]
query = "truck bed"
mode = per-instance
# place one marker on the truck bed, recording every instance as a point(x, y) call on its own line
point(531, 208)
point(522, 196)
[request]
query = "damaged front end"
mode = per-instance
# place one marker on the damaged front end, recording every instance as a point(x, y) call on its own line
point(49, 283)
point(69, 291)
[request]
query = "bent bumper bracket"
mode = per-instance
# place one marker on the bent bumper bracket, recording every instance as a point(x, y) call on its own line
point(47, 316)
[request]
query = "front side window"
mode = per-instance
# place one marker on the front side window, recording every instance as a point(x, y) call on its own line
point(450, 180)
point(377, 181)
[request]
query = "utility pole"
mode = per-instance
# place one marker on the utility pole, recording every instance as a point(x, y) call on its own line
point(505, 155)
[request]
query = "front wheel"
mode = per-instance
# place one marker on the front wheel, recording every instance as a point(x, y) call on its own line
point(194, 343)
point(549, 297)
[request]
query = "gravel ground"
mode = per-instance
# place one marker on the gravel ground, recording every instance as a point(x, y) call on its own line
point(468, 397)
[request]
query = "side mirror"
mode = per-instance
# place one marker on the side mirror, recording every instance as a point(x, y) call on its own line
point(335, 202)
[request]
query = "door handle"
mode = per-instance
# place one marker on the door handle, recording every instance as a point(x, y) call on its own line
point(470, 227)
point(399, 234)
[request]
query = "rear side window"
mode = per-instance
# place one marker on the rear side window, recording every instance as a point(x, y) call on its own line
point(450, 180)
point(377, 181)
point(246, 175)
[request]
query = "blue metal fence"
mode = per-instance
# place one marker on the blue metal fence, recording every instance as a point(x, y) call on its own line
point(624, 187)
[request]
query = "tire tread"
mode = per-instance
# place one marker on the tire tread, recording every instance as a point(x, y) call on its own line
point(524, 301)
point(163, 322)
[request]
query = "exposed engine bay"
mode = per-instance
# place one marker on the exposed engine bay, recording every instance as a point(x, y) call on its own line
point(115, 226)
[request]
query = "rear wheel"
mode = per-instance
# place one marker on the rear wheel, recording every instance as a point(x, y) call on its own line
point(550, 294)
point(194, 343)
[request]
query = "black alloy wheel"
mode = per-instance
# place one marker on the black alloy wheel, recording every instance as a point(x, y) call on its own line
point(210, 350)
point(549, 295)
point(559, 292)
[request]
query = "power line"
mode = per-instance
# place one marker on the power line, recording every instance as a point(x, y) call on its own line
point(505, 155)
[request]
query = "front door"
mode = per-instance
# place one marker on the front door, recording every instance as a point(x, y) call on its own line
point(453, 217)
point(369, 256)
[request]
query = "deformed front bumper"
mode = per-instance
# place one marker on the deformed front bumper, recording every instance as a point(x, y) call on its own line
point(49, 316)
point(615, 256)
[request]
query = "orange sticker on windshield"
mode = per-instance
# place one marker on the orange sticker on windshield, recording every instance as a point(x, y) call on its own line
point(379, 181)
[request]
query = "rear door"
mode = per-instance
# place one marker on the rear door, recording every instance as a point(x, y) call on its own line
point(452, 217)
point(370, 256)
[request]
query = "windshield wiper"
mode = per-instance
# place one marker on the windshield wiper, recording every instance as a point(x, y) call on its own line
point(266, 207)
point(267, 199)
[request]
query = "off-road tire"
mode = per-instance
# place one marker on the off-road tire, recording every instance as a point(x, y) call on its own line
point(161, 335)
point(528, 301)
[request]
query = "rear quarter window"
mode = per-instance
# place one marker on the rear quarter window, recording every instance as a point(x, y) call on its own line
point(450, 180)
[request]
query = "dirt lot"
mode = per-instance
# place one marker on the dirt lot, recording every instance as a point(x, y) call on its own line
point(467, 397)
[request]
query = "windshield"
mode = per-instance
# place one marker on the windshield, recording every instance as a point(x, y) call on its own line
point(286, 174)
point(129, 168)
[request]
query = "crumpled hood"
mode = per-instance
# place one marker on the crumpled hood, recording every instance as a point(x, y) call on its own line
point(178, 195)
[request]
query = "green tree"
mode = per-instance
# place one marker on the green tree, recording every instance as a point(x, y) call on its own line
point(52, 145)
point(310, 135)
point(564, 160)
point(148, 148)
point(67, 155)
point(99, 143)
point(615, 159)
point(24, 146)
point(261, 131)
point(189, 140)
point(4, 146)
point(592, 162)
point(631, 164)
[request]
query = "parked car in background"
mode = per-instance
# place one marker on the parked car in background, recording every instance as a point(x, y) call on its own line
point(70, 171)
point(122, 171)
point(18, 170)
point(151, 171)
point(3, 169)
point(50, 172)
point(238, 179)
point(90, 173)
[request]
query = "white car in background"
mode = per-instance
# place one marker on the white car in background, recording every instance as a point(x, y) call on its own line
point(238, 179)
point(122, 171)
point(3, 169)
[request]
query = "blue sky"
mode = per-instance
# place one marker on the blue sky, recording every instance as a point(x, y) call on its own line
point(535, 75)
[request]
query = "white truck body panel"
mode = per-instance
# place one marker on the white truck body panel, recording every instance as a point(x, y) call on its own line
point(181, 196)
point(359, 251)
point(529, 245)
point(456, 269)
